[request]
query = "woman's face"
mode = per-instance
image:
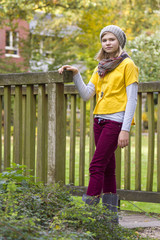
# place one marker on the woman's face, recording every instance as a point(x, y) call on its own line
point(110, 43)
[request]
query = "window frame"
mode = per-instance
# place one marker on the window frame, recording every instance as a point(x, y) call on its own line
point(41, 50)
point(11, 46)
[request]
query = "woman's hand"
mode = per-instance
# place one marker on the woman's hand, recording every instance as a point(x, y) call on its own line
point(123, 139)
point(68, 68)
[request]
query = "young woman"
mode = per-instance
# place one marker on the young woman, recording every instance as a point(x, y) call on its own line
point(114, 81)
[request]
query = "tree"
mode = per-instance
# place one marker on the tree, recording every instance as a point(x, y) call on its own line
point(133, 17)
point(84, 19)
point(145, 51)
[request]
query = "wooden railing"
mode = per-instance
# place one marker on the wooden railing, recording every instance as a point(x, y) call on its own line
point(32, 118)
point(34, 112)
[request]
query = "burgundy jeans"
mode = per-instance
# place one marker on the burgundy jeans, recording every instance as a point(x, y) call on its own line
point(102, 166)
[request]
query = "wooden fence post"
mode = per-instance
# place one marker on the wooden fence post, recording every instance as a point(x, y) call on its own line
point(118, 167)
point(17, 157)
point(91, 141)
point(0, 133)
point(127, 165)
point(151, 136)
point(41, 166)
point(138, 143)
point(7, 126)
point(30, 129)
point(158, 145)
point(82, 143)
point(56, 133)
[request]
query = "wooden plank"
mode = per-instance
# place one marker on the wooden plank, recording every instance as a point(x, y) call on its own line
point(138, 142)
point(127, 165)
point(7, 126)
point(70, 89)
point(18, 126)
point(67, 76)
point(1, 90)
point(24, 129)
point(147, 87)
point(35, 78)
point(91, 139)
point(56, 134)
point(82, 142)
point(30, 129)
point(65, 130)
point(40, 166)
point(12, 128)
point(151, 133)
point(139, 196)
point(128, 195)
point(158, 144)
point(0, 133)
point(46, 137)
point(35, 91)
point(142, 87)
point(118, 167)
point(38, 78)
point(72, 139)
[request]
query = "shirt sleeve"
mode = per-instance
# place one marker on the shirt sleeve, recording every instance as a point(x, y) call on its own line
point(94, 77)
point(85, 91)
point(132, 90)
point(131, 73)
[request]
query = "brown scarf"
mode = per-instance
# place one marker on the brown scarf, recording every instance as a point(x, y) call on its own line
point(107, 65)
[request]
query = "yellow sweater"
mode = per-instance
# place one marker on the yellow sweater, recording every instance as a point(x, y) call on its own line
point(111, 90)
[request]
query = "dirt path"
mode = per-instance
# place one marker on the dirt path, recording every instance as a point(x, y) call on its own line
point(150, 232)
point(146, 225)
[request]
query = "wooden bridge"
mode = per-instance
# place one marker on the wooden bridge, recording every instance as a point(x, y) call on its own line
point(33, 114)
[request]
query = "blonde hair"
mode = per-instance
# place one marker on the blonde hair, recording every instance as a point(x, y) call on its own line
point(103, 55)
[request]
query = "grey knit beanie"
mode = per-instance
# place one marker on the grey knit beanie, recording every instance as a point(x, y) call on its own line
point(117, 31)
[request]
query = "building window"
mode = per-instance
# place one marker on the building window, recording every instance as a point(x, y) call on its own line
point(11, 48)
point(43, 47)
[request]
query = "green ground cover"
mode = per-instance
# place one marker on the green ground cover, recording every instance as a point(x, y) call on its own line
point(34, 211)
point(125, 205)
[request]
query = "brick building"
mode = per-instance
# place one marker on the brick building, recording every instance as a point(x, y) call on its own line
point(39, 54)
point(11, 42)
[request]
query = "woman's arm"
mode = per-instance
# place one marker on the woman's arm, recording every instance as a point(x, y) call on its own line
point(85, 91)
point(132, 90)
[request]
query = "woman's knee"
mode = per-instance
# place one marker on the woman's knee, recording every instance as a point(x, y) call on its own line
point(96, 170)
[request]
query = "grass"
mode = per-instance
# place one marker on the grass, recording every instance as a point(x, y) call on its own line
point(125, 205)
point(133, 206)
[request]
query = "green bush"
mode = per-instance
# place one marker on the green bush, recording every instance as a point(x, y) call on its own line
point(31, 210)
point(145, 51)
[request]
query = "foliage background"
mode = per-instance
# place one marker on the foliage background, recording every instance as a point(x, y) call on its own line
point(76, 26)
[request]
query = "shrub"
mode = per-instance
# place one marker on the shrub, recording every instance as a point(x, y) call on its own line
point(145, 51)
point(34, 211)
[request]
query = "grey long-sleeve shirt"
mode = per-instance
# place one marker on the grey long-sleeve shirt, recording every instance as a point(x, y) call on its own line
point(88, 91)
